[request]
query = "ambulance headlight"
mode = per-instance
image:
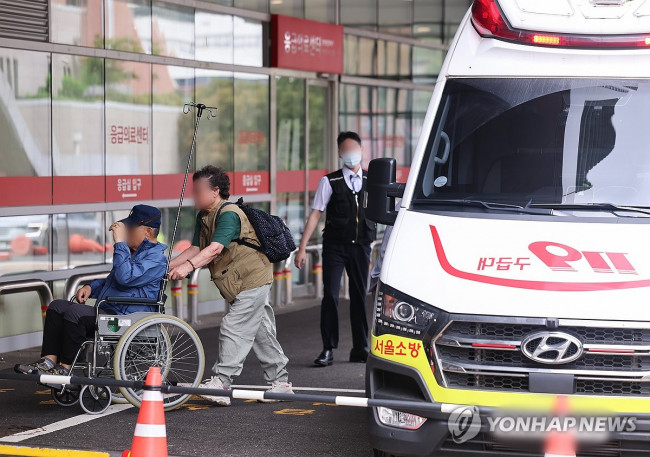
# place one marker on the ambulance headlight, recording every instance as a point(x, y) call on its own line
point(400, 314)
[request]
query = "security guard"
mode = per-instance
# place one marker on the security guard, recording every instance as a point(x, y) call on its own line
point(346, 244)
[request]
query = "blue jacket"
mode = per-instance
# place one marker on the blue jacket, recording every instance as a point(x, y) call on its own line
point(138, 275)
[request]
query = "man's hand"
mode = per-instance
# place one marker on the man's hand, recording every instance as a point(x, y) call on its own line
point(180, 271)
point(83, 294)
point(301, 258)
point(119, 232)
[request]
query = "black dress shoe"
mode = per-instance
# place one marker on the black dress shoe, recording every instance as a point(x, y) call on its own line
point(358, 355)
point(325, 358)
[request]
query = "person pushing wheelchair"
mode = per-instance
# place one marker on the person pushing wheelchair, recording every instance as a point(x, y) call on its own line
point(139, 265)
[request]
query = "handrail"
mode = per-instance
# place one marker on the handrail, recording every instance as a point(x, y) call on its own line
point(57, 275)
point(73, 282)
point(44, 291)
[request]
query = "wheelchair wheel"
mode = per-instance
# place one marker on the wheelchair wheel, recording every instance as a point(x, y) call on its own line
point(68, 396)
point(95, 399)
point(160, 341)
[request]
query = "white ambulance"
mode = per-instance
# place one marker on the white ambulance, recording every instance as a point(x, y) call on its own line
point(518, 269)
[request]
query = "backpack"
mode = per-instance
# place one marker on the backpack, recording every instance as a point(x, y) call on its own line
point(275, 237)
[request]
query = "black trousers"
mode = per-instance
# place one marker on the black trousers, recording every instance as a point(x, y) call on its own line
point(356, 261)
point(67, 326)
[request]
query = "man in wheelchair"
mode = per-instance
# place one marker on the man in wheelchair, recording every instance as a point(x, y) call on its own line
point(139, 265)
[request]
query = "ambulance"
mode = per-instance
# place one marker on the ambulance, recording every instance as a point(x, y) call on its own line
point(518, 268)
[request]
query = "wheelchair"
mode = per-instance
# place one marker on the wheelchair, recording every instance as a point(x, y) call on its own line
point(124, 347)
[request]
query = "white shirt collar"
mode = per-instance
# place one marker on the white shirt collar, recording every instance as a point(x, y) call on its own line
point(347, 173)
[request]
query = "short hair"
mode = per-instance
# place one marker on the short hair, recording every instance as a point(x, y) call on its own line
point(217, 178)
point(154, 231)
point(347, 136)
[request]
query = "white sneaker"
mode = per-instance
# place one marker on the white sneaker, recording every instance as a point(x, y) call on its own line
point(215, 383)
point(278, 387)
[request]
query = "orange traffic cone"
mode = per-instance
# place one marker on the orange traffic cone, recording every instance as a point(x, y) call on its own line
point(150, 437)
point(560, 444)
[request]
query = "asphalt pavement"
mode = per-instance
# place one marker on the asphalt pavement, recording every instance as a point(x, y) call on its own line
point(200, 428)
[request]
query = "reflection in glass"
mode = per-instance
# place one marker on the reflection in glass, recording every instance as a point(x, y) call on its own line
point(395, 16)
point(24, 113)
point(295, 8)
point(184, 232)
point(78, 115)
point(25, 243)
point(359, 13)
point(249, 42)
point(172, 130)
point(427, 64)
point(78, 23)
point(173, 31)
point(215, 143)
point(214, 37)
point(79, 239)
point(290, 127)
point(321, 10)
point(128, 117)
point(128, 25)
point(257, 5)
point(360, 55)
point(291, 208)
point(319, 144)
point(251, 122)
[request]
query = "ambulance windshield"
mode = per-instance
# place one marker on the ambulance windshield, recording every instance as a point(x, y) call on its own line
point(540, 141)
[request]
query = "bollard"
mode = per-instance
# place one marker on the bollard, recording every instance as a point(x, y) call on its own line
point(193, 298)
point(278, 270)
point(317, 269)
point(287, 279)
point(177, 298)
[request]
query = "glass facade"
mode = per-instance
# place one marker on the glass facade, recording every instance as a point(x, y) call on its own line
point(95, 124)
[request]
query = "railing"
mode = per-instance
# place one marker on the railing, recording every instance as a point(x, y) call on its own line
point(282, 292)
point(41, 287)
point(74, 282)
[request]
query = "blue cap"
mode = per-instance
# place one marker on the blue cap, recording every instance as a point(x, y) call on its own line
point(143, 215)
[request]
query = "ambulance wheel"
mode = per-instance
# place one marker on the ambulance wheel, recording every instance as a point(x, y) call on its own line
point(66, 397)
point(95, 399)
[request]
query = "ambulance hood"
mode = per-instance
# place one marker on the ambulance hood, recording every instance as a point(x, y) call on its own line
point(530, 268)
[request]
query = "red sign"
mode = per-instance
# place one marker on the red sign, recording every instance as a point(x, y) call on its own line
point(300, 44)
point(250, 182)
point(128, 187)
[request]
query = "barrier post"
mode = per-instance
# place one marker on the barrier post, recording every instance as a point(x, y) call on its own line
point(278, 272)
point(177, 298)
point(287, 276)
point(316, 252)
point(193, 298)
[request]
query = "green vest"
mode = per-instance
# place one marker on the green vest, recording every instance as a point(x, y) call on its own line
point(237, 268)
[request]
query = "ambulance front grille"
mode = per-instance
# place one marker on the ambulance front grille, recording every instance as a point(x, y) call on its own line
point(487, 355)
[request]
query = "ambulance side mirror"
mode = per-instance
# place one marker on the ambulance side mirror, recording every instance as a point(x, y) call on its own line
point(382, 190)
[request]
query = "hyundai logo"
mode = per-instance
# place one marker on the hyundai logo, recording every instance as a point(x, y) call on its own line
point(551, 347)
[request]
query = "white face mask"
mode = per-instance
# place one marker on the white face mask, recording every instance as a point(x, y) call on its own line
point(351, 158)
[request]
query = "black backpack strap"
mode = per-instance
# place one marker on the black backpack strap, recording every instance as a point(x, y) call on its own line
point(222, 207)
point(243, 242)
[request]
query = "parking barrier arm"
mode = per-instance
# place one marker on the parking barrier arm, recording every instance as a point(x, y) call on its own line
point(429, 409)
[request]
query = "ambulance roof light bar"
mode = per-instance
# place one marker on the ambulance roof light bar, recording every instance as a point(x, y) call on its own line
point(490, 22)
